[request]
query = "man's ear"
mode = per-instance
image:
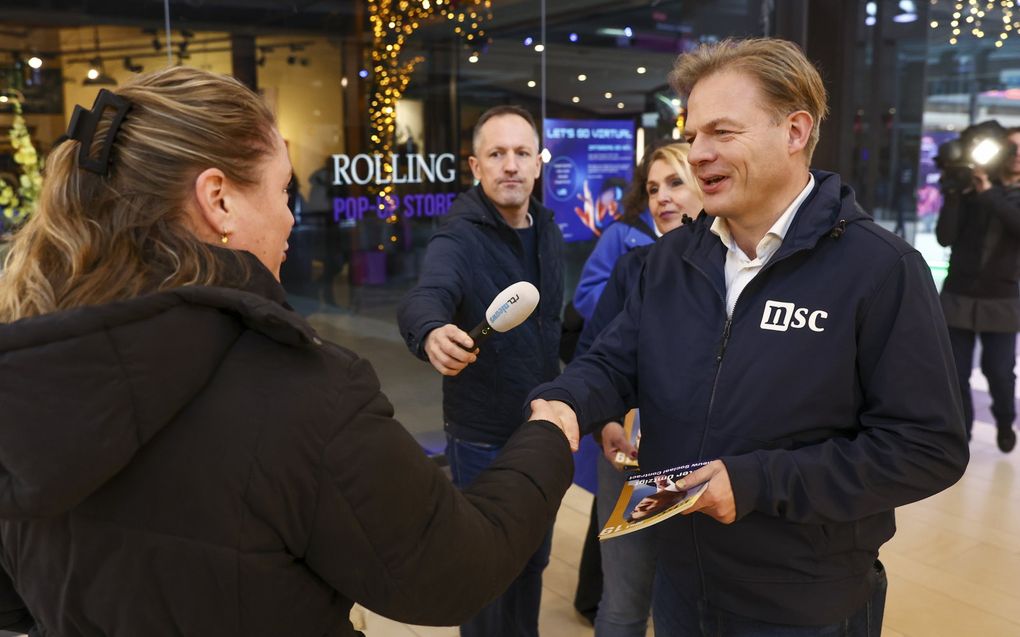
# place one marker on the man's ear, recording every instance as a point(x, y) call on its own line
point(800, 126)
point(210, 197)
point(475, 166)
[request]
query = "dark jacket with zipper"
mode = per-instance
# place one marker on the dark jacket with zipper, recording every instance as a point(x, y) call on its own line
point(198, 462)
point(830, 396)
point(471, 259)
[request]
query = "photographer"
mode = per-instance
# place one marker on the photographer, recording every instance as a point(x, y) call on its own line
point(980, 221)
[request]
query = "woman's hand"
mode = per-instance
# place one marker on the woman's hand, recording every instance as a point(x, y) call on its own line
point(616, 446)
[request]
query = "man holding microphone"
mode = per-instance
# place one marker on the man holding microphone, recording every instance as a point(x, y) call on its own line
point(495, 235)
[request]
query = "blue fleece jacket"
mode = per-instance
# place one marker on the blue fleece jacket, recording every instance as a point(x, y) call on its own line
point(617, 240)
point(830, 396)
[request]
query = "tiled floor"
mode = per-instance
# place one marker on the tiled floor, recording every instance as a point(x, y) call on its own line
point(954, 564)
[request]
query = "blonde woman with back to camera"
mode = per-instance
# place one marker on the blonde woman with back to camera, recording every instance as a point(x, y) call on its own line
point(181, 453)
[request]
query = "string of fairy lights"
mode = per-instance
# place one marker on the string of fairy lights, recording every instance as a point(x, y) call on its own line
point(981, 18)
point(393, 23)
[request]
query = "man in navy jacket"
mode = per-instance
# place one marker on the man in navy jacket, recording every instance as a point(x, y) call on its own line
point(813, 368)
point(495, 234)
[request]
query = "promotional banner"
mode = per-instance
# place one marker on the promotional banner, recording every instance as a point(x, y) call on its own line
point(591, 165)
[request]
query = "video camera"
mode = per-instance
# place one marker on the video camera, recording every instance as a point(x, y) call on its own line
point(983, 145)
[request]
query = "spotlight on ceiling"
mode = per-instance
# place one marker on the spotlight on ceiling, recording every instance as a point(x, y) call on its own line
point(97, 76)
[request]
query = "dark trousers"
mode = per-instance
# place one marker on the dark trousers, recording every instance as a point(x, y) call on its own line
point(677, 615)
point(515, 612)
point(998, 357)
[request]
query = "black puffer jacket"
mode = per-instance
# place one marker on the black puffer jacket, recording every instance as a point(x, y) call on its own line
point(198, 462)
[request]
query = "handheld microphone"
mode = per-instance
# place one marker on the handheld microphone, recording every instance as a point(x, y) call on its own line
point(510, 308)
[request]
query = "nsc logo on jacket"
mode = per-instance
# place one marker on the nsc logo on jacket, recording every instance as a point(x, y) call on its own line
point(780, 317)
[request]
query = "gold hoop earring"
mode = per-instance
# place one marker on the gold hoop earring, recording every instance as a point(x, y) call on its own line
point(224, 238)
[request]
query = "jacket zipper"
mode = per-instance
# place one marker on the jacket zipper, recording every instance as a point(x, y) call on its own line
point(720, 354)
point(701, 448)
point(724, 342)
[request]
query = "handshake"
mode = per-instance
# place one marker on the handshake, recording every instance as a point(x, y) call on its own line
point(559, 414)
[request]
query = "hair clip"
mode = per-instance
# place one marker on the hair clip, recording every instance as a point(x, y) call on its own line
point(83, 127)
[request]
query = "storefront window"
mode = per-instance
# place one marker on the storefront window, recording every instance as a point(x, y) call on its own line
point(379, 138)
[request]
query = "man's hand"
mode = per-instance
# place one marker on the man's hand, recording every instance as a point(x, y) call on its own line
point(717, 500)
point(560, 414)
point(449, 349)
point(615, 442)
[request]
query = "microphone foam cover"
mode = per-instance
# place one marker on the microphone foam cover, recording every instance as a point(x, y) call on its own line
point(512, 306)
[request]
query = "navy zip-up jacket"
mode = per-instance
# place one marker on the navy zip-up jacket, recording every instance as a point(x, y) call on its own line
point(471, 259)
point(830, 396)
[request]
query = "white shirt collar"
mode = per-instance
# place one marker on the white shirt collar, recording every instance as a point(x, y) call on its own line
point(774, 237)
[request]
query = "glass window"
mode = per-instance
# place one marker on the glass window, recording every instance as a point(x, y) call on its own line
point(378, 109)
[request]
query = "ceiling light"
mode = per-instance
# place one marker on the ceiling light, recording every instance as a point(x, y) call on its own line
point(35, 61)
point(132, 67)
point(575, 99)
point(906, 12)
point(473, 58)
point(641, 70)
point(572, 37)
point(528, 41)
point(609, 95)
point(531, 83)
point(619, 105)
point(628, 32)
point(96, 75)
point(539, 48)
point(582, 77)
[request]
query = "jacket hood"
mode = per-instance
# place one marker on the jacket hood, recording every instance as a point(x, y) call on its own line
point(84, 390)
point(828, 210)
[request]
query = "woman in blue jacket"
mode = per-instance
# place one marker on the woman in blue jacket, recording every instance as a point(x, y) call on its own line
point(634, 229)
point(628, 562)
